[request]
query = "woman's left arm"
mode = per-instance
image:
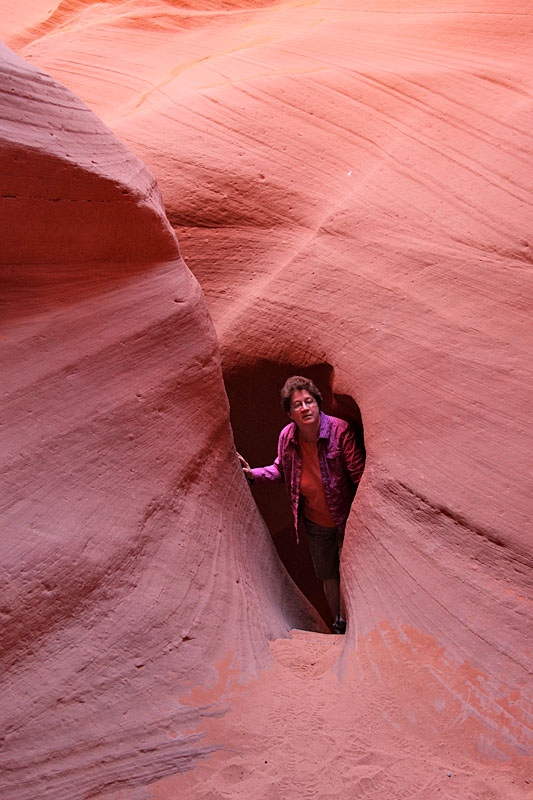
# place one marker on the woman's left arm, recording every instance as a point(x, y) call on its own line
point(353, 455)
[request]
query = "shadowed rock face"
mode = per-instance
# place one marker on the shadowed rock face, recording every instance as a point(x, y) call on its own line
point(123, 506)
point(352, 188)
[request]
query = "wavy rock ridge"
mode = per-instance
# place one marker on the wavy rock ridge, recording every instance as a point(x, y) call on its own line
point(123, 504)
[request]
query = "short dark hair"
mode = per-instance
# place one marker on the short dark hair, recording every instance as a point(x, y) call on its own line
point(294, 384)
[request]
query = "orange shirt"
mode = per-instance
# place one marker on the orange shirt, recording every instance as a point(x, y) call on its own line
point(315, 505)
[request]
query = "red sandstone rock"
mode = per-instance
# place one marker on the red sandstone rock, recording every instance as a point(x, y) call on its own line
point(133, 558)
point(352, 189)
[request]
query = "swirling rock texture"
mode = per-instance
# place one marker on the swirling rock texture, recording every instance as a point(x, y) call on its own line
point(350, 185)
point(126, 515)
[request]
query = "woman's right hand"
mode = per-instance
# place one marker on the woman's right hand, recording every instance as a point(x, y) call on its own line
point(246, 468)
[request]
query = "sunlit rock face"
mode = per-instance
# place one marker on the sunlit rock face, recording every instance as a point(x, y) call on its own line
point(351, 186)
point(130, 544)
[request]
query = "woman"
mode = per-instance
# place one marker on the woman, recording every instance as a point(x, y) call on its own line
point(321, 464)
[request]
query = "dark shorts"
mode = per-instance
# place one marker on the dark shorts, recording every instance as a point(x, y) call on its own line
point(325, 545)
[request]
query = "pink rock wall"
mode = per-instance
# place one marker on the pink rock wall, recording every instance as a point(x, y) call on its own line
point(130, 545)
point(352, 188)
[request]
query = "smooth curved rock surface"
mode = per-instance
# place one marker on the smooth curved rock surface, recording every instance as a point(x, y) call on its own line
point(134, 562)
point(351, 186)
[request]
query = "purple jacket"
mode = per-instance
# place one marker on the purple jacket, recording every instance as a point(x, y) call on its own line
point(341, 460)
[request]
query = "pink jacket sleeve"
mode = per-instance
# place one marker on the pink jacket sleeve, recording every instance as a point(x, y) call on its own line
point(271, 473)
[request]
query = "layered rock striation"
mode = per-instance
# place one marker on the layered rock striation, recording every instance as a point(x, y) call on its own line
point(133, 558)
point(351, 187)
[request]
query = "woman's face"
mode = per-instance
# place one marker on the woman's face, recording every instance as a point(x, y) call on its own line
point(304, 409)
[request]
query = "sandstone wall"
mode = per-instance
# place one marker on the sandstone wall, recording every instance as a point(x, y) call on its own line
point(351, 187)
point(134, 562)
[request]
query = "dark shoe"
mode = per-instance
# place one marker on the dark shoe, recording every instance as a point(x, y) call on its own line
point(339, 626)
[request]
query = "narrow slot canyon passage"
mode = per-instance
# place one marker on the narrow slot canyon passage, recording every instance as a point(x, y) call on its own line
point(257, 419)
point(348, 190)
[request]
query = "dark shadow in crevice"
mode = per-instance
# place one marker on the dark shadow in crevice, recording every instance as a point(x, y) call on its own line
point(257, 418)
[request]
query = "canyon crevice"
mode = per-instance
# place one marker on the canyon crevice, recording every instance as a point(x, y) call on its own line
point(350, 188)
